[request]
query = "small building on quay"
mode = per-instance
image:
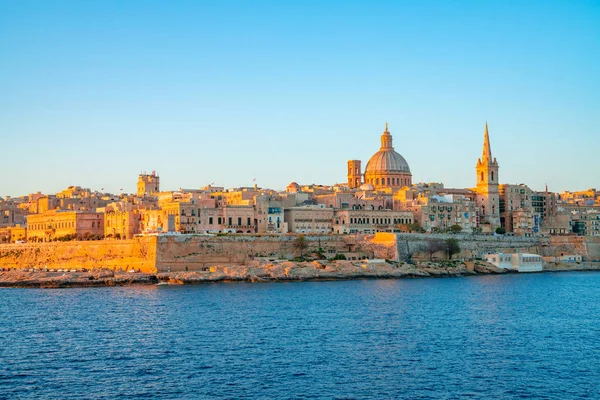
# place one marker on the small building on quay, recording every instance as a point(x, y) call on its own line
point(521, 262)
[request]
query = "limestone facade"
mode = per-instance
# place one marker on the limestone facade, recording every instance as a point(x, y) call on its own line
point(435, 210)
point(369, 221)
point(55, 224)
point(364, 200)
point(314, 219)
point(148, 184)
point(516, 210)
point(121, 220)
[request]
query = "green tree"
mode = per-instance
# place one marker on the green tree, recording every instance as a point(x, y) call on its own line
point(500, 230)
point(409, 228)
point(456, 228)
point(300, 244)
point(453, 247)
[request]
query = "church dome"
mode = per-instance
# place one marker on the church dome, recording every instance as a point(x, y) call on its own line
point(387, 159)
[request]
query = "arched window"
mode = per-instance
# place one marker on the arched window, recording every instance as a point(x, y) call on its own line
point(481, 177)
point(492, 176)
point(377, 181)
point(388, 181)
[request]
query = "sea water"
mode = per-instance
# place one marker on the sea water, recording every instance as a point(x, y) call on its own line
point(516, 336)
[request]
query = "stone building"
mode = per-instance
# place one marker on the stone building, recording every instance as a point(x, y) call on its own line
point(74, 198)
point(386, 169)
point(364, 199)
point(312, 219)
point(436, 209)
point(524, 222)
point(269, 214)
point(148, 184)
point(585, 221)
point(121, 220)
point(369, 221)
point(156, 221)
point(488, 202)
point(238, 219)
point(517, 199)
point(13, 234)
point(544, 205)
point(55, 224)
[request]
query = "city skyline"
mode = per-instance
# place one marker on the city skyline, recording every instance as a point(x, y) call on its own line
point(92, 94)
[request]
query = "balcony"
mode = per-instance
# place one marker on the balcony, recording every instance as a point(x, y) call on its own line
point(238, 226)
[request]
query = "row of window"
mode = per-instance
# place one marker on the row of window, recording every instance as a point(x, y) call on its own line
point(378, 221)
point(390, 181)
point(59, 225)
point(221, 220)
point(299, 230)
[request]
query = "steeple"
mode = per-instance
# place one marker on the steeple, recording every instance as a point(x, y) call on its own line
point(487, 149)
point(386, 139)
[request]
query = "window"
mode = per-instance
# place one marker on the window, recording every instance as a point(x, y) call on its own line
point(210, 220)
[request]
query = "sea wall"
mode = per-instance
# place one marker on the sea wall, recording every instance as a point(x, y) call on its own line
point(586, 246)
point(138, 254)
point(180, 253)
point(195, 253)
point(153, 254)
point(408, 245)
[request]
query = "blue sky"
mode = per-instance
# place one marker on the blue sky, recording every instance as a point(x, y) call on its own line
point(92, 93)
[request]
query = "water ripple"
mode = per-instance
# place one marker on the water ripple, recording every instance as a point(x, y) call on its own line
point(491, 337)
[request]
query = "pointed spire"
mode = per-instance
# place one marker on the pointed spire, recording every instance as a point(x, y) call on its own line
point(386, 126)
point(487, 149)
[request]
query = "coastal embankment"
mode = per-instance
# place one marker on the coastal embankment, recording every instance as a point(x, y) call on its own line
point(269, 272)
point(201, 258)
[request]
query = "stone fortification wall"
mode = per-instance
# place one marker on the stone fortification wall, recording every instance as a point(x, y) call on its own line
point(586, 246)
point(472, 246)
point(165, 253)
point(138, 254)
point(195, 253)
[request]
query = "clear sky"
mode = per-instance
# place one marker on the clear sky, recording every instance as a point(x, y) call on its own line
point(93, 92)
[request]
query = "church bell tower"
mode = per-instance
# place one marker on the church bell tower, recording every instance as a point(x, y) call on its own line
point(488, 198)
point(354, 174)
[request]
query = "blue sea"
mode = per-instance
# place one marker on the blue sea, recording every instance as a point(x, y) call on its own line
point(492, 337)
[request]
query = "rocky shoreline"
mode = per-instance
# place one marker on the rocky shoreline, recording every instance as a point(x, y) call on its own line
point(272, 272)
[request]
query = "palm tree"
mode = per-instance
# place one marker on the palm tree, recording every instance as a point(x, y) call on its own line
point(300, 244)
